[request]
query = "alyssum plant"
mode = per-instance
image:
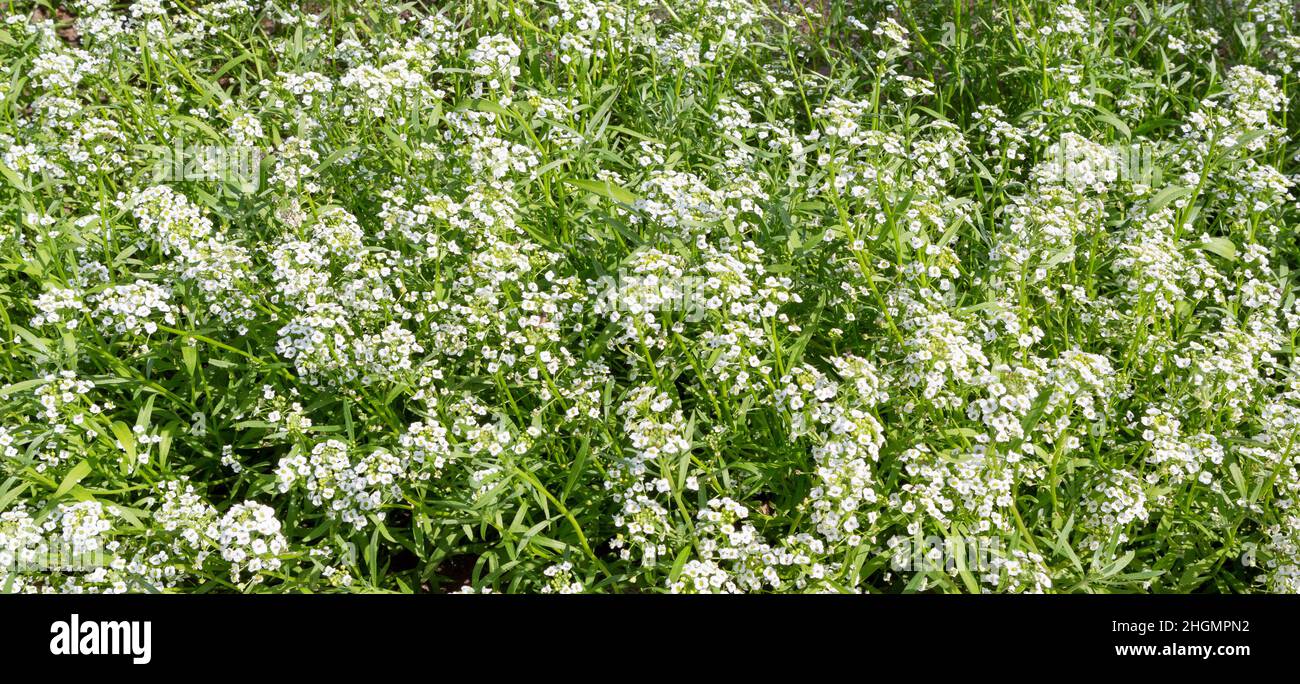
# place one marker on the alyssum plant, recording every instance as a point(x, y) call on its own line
point(648, 295)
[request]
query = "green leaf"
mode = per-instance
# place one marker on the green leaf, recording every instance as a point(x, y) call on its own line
point(21, 386)
point(190, 357)
point(1221, 246)
point(14, 179)
point(491, 107)
point(70, 480)
point(1106, 116)
point(604, 189)
point(125, 439)
point(678, 564)
point(1164, 197)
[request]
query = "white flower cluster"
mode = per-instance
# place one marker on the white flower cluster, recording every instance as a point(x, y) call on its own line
point(636, 480)
point(560, 580)
point(494, 58)
point(134, 309)
point(1178, 458)
point(734, 558)
point(846, 439)
point(349, 488)
point(249, 538)
point(1117, 501)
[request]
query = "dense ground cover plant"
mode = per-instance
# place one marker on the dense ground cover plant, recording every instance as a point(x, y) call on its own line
point(649, 295)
